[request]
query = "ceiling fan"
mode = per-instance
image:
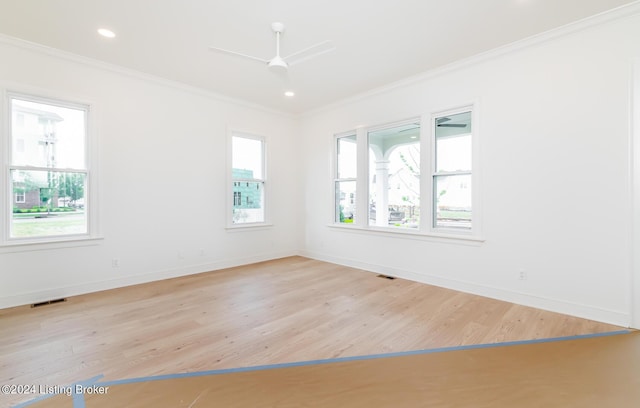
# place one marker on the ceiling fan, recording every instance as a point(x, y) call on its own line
point(278, 62)
point(440, 122)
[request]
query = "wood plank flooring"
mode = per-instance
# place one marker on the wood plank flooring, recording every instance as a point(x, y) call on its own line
point(292, 309)
point(593, 372)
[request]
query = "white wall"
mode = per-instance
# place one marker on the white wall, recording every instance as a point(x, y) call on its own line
point(162, 190)
point(554, 129)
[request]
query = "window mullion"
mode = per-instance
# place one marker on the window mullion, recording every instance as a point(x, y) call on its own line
point(362, 175)
point(248, 180)
point(345, 179)
point(427, 157)
point(56, 169)
point(452, 173)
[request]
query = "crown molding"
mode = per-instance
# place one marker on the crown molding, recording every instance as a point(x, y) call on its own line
point(113, 68)
point(617, 13)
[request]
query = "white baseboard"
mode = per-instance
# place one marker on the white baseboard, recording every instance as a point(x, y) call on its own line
point(553, 305)
point(84, 288)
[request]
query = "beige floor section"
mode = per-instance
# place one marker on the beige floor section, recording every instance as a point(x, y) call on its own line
point(585, 373)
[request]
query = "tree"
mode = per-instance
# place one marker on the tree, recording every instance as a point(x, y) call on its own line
point(410, 162)
point(410, 158)
point(71, 185)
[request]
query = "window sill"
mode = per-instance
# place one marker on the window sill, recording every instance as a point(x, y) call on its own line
point(41, 245)
point(461, 238)
point(248, 227)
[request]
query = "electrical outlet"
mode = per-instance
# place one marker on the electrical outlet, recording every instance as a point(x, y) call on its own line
point(115, 263)
point(522, 274)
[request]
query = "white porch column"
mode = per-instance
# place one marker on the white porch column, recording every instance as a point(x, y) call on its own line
point(382, 193)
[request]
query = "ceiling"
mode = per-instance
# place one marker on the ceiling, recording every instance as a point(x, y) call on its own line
point(376, 42)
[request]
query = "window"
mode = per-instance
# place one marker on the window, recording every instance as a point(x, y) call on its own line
point(345, 179)
point(452, 171)
point(417, 179)
point(394, 176)
point(48, 168)
point(248, 179)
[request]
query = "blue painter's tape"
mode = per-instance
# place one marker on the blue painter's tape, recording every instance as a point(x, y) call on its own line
point(80, 403)
point(356, 358)
point(78, 400)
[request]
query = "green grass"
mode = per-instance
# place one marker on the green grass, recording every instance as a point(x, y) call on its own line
point(38, 227)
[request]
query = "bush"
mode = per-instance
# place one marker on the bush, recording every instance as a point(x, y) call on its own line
point(62, 209)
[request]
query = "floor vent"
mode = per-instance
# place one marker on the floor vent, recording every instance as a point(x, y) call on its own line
point(49, 302)
point(386, 277)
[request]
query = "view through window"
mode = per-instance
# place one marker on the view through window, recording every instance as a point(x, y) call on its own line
point(345, 181)
point(47, 168)
point(248, 179)
point(452, 176)
point(394, 176)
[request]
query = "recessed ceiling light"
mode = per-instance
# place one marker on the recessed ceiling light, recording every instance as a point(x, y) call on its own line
point(106, 33)
point(289, 94)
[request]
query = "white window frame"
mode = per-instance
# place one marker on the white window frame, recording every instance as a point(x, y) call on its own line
point(426, 228)
point(376, 128)
point(337, 179)
point(92, 235)
point(231, 181)
point(475, 224)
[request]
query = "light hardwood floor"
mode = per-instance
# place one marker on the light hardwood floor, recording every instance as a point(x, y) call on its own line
point(291, 309)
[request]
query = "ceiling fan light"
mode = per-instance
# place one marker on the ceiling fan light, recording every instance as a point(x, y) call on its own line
point(105, 32)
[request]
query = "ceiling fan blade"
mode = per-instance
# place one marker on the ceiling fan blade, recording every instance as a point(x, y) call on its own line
point(282, 75)
point(237, 54)
point(458, 125)
point(442, 120)
point(309, 52)
point(415, 126)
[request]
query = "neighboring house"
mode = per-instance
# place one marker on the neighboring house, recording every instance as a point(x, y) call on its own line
point(25, 199)
point(246, 194)
point(34, 133)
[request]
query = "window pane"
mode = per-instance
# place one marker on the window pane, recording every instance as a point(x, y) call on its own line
point(453, 153)
point(345, 201)
point(347, 157)
point(394, 176)
point(248, 202)
point(247, 157)
point(53, 203)
point(453, 142)
point(45, 135)
point(453, 201)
